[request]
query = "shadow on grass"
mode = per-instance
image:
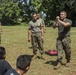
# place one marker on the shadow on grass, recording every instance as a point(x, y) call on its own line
point(32, 47)
point(54, 63)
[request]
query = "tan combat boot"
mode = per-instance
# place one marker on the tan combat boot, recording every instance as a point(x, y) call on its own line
point(43, 56)
point(34, 57)
point(67, 63)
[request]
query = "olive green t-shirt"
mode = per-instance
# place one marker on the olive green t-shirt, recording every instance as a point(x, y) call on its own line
point(41, 20)
point(62, 30)
point(35, 26)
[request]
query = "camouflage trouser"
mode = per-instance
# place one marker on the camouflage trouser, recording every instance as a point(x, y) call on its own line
point(63, 44)
point(0, 39)
point(37, 40)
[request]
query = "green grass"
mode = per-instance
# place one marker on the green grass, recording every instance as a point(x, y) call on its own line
point(14, 39)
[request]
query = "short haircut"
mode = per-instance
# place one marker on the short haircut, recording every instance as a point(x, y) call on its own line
point(64, 12)
point(2, 52)
point(34, 13)
point(38, 13)
point(23, 62)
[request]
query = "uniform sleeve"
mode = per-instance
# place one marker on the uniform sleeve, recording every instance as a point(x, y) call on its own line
point(42, 22)
point(70, 22)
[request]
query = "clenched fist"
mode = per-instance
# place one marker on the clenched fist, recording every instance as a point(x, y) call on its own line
point(57, 17)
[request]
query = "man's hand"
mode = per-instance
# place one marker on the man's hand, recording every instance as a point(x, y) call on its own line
point(29, 35)
point(1, 32)
point(57, 18)
point(29, 39)
point(42, 39)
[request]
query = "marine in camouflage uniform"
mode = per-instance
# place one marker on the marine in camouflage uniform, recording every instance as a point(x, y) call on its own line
point(39, 19)
point(36, 33)
point(63, 40)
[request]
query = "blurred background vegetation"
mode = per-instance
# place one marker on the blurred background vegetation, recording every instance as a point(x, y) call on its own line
point(15, 12)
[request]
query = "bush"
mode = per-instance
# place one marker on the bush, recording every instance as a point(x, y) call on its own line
point(50, 23)
point(9, 13)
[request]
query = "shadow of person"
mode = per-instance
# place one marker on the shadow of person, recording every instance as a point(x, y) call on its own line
point(54, 63)
point(38, 57)
point(32, 47)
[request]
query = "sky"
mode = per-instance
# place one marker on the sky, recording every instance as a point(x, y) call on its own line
point(27, 1)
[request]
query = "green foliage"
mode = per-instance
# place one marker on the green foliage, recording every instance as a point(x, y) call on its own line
point(28, 9)
point(37, 4)
point(15, 11)
point(9, 13)
point(53, 7)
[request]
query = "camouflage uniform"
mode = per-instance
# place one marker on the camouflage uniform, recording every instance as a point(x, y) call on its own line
point(63, 41)
point(42, 22)
point(0, 32)
point(36, 38)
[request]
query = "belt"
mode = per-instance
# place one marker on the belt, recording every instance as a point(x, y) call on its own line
point(35, 32)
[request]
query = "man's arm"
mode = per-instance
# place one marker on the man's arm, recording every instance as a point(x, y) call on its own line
point(29, 35)
point(44, 27)
point(29, 32)
point(66, 24)
point(55, 24)
point(43, 24)
point(42, 31)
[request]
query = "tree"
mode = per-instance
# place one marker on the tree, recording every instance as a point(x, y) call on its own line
point(53, 7)
point(28, 8)
point(9, 12)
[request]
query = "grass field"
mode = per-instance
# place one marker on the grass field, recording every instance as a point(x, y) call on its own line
point(14, 39)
